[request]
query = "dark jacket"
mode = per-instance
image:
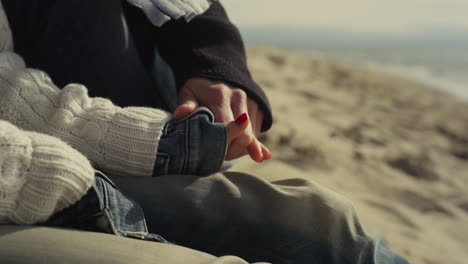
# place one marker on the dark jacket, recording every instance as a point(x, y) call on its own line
point(80, 41)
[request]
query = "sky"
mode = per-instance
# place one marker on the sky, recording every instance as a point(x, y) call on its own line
point(361, 16)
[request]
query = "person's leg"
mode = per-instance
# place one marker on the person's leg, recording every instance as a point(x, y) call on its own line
point(23, 244)
point(288, 221)
point(87, 42)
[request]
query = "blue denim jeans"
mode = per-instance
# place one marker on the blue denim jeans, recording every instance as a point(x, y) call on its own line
point(194, 145)
point(104, 208)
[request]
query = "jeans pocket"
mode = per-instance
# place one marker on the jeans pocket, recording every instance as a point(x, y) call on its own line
point(122, 215)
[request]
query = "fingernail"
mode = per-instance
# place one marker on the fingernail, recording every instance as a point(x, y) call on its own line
point(241, 119)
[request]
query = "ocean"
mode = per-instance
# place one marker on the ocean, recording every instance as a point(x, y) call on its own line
point(441, 68)
point(439, 60)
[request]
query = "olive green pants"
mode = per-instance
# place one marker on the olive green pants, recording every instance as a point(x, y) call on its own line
point(224, 215)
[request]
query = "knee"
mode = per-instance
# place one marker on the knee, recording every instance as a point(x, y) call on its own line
point(318, 209)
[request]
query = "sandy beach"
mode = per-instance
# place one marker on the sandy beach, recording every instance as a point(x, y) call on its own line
point(397, 149)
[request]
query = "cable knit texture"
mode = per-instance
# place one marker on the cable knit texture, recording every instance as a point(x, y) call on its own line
point(117, 140)
point(49, 138)
point(39, 175)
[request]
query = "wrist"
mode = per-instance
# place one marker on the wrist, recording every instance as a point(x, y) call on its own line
point(194, 145)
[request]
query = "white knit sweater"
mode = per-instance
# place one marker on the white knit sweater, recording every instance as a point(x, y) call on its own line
point(50, 138)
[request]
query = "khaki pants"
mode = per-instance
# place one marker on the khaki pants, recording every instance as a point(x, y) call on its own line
point(229, 214)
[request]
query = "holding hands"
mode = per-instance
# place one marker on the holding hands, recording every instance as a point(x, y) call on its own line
point(230, 106)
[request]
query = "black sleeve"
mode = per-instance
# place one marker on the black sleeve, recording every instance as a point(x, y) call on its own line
point(210, 46)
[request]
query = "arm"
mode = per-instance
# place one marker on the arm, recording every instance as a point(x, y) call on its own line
point(211, 47)
point(33, 164)
point(120, 141)
point(117, 140)
point(39, 172)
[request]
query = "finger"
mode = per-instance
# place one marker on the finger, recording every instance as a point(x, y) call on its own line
point(188, 105)
point(238, 139)
point(239, 102)
point(236, 155)
point(239, 106)
point(255, 151)
point(238, 147)
point(258, 122)
point(256, 116)
point(239, 152)
point(266, 152)
point(219, 104)
point(237, 127)
point(222, 114)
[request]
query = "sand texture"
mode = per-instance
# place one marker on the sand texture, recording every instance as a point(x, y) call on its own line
point(396, 148)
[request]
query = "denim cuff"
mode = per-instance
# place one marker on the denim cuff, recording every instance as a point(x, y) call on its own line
point(104, 208)
point(194, 145)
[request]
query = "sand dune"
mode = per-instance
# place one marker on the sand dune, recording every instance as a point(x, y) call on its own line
point(397, 149)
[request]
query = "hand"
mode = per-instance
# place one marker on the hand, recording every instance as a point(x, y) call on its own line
point(226, 103)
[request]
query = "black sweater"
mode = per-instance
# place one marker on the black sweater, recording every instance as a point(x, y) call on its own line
point(210, 46)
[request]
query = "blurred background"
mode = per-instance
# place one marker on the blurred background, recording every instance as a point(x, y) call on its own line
point(370, 99)
point(423, 39)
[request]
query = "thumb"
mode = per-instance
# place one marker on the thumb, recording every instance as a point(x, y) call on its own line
point(187, 105)
point(237, 127)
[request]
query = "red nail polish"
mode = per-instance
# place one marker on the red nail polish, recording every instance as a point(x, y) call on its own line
point(241, 119)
